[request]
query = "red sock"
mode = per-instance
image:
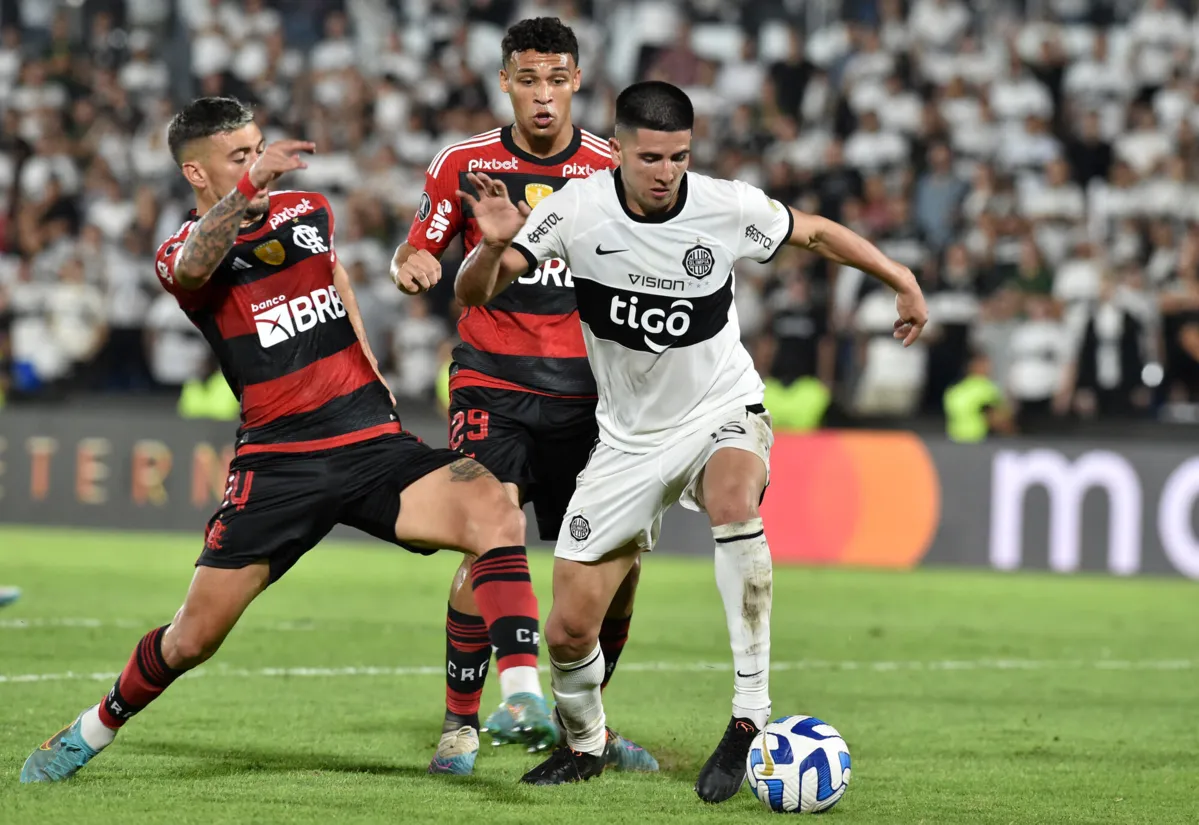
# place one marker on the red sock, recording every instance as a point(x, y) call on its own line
point(145, 676)
point(504, 593)
point(467, 654)
point(612, 636)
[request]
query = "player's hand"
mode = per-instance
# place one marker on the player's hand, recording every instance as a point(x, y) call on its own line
point(499, 219)
point(913, 314)
point(279, 158)
point(419, 273)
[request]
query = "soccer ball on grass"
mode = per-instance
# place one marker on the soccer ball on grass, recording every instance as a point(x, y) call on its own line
point(798, 764)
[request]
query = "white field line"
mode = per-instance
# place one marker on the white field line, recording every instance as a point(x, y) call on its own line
point(224, 671)
point(130, 624)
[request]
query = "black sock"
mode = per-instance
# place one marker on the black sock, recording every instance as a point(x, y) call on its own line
point(612, 637)
point(467, 656)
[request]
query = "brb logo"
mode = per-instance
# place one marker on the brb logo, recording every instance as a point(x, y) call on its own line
point(554, 270)
point(491, 165)
point(290, 213)
point(655, 321)
point(279, 319)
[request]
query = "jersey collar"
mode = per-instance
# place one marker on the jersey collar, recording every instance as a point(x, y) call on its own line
point(657, 217)
point(562, 157)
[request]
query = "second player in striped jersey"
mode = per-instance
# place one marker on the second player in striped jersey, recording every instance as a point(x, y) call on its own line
point(522, 397)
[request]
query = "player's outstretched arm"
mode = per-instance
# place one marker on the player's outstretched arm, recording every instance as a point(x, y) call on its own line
point(214, 234)
point(493, 263)
point(841, 244)
point(341, 282)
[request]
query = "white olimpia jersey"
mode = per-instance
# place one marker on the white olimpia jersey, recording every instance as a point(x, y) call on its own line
point(656, 297)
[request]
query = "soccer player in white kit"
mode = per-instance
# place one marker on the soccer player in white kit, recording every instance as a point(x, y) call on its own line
point(651, 249)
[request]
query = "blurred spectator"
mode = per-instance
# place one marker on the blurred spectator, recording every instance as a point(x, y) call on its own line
point(1041, 347)
point(178, 352)
point(1104, 373)
point(975, 407)
point(939, 194)
point(953, 311)
point(415, 341)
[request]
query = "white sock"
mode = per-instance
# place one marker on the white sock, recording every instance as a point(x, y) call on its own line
point(95, 733)
point(577, 690)
point(520, 679)
point(744, 577)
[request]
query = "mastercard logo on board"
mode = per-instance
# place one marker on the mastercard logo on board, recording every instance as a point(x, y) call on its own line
point(853, 498)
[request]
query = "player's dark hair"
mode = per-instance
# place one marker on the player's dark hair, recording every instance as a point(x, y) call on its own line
point(545, 35)
point(654, 105)
point(205, 117)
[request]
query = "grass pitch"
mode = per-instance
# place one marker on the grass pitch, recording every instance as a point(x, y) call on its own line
point(964, 697)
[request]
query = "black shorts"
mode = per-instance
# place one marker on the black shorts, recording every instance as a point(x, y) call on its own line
point(277, 506)
point(537, 442)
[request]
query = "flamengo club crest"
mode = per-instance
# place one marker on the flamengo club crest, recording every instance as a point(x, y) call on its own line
point(308, 237)
point(535, 193)
point(698, 261)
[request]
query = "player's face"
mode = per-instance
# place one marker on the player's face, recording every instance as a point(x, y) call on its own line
point(652, 166)
point(220, 160)
point(541, 87)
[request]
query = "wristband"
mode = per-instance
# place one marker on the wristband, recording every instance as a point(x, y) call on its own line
point(246, 187)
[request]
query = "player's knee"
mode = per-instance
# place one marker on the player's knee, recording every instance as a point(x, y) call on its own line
point(187, 646)
point(569, 639)
point(493, 521)
point(730, 501)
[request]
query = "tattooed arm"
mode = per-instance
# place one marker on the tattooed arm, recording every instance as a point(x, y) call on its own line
point(210, 241)
point(214, 234)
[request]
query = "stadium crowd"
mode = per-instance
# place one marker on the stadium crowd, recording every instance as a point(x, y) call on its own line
point(1036, 163)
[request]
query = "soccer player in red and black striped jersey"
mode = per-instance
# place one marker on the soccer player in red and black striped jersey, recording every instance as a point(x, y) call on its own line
point(319, 442)
point(522, 396)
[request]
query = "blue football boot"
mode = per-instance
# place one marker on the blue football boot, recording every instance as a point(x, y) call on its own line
point(59, 757)
point(456, 752)
point(522, 718)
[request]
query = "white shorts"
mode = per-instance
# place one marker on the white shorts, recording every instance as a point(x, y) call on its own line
point(620, 497)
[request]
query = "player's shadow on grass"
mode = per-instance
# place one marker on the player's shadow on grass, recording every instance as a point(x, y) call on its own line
point(210, 762)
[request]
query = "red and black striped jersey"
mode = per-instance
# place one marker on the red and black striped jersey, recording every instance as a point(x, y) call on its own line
point(275, 321)
point(529, 337)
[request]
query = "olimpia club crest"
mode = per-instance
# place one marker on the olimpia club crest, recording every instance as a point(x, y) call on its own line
point(698, 261)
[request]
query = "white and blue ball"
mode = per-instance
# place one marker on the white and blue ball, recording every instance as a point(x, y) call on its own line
point(798, 764)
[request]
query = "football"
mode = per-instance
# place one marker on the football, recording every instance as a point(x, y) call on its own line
point(798, 764)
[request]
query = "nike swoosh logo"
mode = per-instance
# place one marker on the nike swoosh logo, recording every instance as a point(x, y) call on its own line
point(748, 675)
point(599, 250)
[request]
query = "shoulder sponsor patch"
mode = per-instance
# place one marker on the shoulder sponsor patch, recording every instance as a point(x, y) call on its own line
point(758, 236)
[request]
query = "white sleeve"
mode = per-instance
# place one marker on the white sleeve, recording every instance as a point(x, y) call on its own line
point(765, 224)
point(548, 228)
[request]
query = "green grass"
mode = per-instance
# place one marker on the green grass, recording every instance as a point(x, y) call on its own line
point(1093, 720)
